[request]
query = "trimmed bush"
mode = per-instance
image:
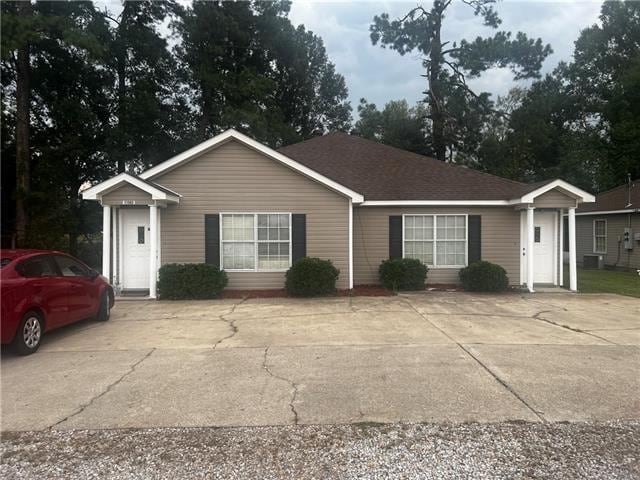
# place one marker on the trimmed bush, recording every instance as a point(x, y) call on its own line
point(190, 281)
point(403, 274)
point(484, 277)
point(310, 277)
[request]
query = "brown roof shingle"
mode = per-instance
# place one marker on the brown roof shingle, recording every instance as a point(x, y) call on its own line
point(381, 172)
point(615, 199)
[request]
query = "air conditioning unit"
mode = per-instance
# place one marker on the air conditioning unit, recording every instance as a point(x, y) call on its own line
point(593, 262)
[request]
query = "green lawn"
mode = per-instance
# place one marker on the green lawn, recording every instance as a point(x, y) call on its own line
point(606, 281)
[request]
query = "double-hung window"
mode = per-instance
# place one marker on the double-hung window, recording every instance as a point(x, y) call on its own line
point(256, 241)
point(436, 240)
point(600, 236)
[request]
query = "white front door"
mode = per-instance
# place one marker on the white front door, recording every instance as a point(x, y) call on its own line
point(135, 241)
point(544, 247)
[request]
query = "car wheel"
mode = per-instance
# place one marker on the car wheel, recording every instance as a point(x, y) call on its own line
point(29, 334)
point(104, 311)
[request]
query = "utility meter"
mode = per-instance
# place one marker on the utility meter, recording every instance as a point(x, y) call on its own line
point(627, 239)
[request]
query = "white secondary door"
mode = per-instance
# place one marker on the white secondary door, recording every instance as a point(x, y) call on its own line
point(544, 247)
point(135, 241)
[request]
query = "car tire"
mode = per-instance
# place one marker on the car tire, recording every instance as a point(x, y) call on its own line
point(29, 333)
point(104, 310)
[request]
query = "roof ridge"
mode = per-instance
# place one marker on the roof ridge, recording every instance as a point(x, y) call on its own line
point(633, 183)
point(405, 152)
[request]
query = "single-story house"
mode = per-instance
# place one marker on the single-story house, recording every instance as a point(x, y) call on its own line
point(608, 231)
point(253, 211)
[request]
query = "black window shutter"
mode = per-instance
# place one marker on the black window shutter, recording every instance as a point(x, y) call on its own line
point(298, 236)
point(212, 239)
point(395, 236)
point(474, 253)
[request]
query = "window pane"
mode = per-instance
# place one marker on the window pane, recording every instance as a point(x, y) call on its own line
point(408, 222)
point(284, 221)
point(273, 232)
point(408, 234)
point(284, 233)
point(262, 221)
point(238, 256)
point(422, 251)
point(263, 233)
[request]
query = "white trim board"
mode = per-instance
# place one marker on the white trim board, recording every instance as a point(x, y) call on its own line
point(444, 203)
point(249, 142)
point(607, 212)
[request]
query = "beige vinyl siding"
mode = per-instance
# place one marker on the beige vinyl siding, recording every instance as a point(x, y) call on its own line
point(129, 193)
point(629, 259)
point(554, 199)
point(500, 240)
point(235, 178)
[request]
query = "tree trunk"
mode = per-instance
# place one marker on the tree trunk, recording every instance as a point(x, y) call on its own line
point(23, 166)
point(122, 93)
point(435, 90)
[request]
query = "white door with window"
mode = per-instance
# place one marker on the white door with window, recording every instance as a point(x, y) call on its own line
point(544, 247)
point(136, 248)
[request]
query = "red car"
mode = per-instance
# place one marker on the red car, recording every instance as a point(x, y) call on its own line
point(43, 290)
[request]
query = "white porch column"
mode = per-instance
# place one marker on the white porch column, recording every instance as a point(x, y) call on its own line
point(561, 249)
point(530, 236)
point(106, 241)
point(573, 273)
point(153, 250)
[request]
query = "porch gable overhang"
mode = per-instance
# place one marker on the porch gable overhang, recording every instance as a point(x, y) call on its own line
point(560, 185)
point(157, 192)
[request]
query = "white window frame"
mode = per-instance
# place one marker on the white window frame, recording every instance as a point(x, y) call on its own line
point(435, 241)
point(595, 243)
point(255, 242)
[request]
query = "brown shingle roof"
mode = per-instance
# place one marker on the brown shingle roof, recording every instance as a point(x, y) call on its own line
point(381, 172)
point(615, 199)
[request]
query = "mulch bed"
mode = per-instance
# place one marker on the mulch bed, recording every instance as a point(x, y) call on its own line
point(358, 291)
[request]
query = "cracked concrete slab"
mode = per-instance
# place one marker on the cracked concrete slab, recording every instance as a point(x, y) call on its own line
point(360, 328)
point(40, 390)
point(393, 384)
point(570, 382)
point(109, 336)
point(332, 360)
point(192, 388)
point(619, 337)
point(492, 330)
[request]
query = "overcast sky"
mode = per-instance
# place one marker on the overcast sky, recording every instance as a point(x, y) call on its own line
point(381, 75)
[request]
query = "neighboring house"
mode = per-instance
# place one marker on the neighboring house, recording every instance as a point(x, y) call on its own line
point(237, 204)
point(610, 228)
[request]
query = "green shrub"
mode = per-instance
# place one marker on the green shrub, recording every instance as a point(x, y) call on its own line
point(190, 281)
point(484, 277)
point(309, 277)
point(403, 274)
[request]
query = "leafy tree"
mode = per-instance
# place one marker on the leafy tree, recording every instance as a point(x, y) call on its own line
point(397, 125)
point(448, 65)
point(582, 122)
point(150, 109)
point(28, 29)
point(257, 73)
point(605, 77)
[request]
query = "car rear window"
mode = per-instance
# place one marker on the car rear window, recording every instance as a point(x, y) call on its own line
point(36, 267)
point(5, 261)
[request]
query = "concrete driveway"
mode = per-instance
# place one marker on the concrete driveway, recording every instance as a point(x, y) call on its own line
point(426, 357)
